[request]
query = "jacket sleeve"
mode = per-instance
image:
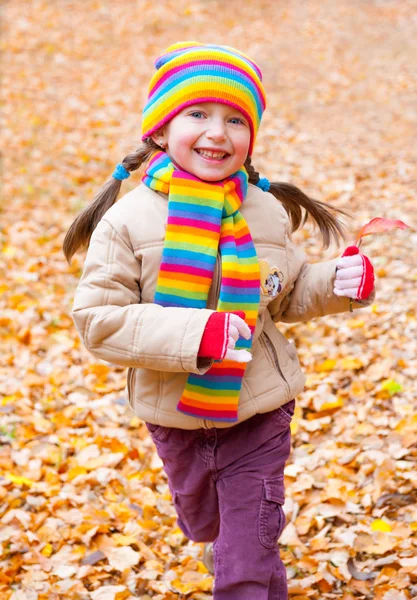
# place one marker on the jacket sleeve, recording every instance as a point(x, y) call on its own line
point(310, 292)
point(115, 327)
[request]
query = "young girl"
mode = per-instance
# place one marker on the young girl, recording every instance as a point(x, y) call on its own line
point(184, 280)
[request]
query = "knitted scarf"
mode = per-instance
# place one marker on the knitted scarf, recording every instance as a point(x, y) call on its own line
point(204, 220)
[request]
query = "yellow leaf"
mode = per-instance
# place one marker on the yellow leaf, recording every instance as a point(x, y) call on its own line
point(355, 323)
point(337, 403)
point(98, 369)
point(203, 585)
point(75, 471)
point(407, 424)
point(47, 550)
point(381, 525)
point(149, 512)
point(391, 386)
point(201, 568)
point(124, 540)
point(18, 480)
point(351, 364)
point(180, 587)
point(295, 422)
point(148, 524)
point(6, 399)
point(327, 365)
point(9, 251)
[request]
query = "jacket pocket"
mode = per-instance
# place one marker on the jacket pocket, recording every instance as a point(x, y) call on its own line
point(271, 513)
point(284, 354)
point(144, 390)
point(272, 354)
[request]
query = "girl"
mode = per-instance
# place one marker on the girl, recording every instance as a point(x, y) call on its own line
point(176, 287)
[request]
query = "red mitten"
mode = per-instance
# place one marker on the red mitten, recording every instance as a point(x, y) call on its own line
point(354, 275)
point(221, 334)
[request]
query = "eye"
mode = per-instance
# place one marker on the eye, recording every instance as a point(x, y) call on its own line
point(237, 121)
point(197, 114)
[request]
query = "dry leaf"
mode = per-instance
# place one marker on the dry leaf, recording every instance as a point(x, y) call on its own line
point(80, 480)
point(380, 225)
point(122, 558)
point(107, 592)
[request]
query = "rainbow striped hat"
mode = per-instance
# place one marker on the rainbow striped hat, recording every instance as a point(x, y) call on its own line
point(190, 72)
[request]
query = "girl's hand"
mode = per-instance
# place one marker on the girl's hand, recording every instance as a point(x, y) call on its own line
point(354, 275)
point(221, 334)
point(237, 327)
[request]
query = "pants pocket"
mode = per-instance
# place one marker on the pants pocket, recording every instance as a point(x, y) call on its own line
point(159, 433)
point(287, 410)
point(271, 514)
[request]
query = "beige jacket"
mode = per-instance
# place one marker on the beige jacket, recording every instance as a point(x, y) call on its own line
point(115, 316)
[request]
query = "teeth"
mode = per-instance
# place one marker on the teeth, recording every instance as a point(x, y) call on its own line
point(210, 154)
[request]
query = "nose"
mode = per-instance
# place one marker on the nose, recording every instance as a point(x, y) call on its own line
point(216, 130)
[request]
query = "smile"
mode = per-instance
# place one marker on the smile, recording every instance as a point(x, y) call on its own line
point(212, 155)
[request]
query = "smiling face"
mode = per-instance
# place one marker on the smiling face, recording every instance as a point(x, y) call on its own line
point(208, 140)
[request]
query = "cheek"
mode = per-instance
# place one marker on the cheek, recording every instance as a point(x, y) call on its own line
point(241, 145)
point(180, 138)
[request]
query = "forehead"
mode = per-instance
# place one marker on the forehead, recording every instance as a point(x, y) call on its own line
point(213, 108)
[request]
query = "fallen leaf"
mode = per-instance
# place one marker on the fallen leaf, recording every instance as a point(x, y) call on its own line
point(107, 592)
point(380, 525)
point(359, 575)
point(122, 558)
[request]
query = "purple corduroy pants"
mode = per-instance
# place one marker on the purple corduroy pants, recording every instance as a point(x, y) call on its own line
point(227, 487)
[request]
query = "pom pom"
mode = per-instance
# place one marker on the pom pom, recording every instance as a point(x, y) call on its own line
point(264, 184)
point(120, 172)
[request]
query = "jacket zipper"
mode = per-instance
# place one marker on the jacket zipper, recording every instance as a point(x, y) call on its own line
point(217, 270)
point(270, 348)
point(216, 294)
point(129, 385)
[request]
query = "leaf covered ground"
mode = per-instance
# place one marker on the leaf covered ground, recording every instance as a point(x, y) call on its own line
point(85, 511)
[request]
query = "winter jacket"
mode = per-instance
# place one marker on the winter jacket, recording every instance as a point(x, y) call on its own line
point(115, 316)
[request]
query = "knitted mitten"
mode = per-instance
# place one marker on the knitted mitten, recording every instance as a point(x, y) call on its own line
point(221, 334)
point(354, 275)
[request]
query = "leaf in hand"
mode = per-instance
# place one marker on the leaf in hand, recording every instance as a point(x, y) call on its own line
point(380, 225)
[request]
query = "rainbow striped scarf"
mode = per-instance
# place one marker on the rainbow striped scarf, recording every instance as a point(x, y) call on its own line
point(204, 220)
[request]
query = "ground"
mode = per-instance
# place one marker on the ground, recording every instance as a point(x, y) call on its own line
point(85, 510)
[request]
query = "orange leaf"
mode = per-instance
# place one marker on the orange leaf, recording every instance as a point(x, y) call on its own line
point(380, 225)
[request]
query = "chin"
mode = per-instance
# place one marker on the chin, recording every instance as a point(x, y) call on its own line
point(213, 174)
point(211, 177)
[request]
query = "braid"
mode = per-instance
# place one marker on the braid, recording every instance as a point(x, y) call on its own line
point(79, 234)
point(252, 172)
point(294, 201)
point(133, 161)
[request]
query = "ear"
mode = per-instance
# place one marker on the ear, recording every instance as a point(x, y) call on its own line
point(159, 138)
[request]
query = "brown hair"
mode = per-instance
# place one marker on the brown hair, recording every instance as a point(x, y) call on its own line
point(294, 201)
point(79, 234)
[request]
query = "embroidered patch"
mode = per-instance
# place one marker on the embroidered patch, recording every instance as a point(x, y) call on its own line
point(271, 279)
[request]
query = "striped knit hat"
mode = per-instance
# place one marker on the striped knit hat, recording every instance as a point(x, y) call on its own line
point(190, 73)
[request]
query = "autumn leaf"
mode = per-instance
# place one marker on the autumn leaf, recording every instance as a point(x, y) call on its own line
point(380, 525)
point(379, 225)
point(85, 507)
point(107, 592)
point(391, 386)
